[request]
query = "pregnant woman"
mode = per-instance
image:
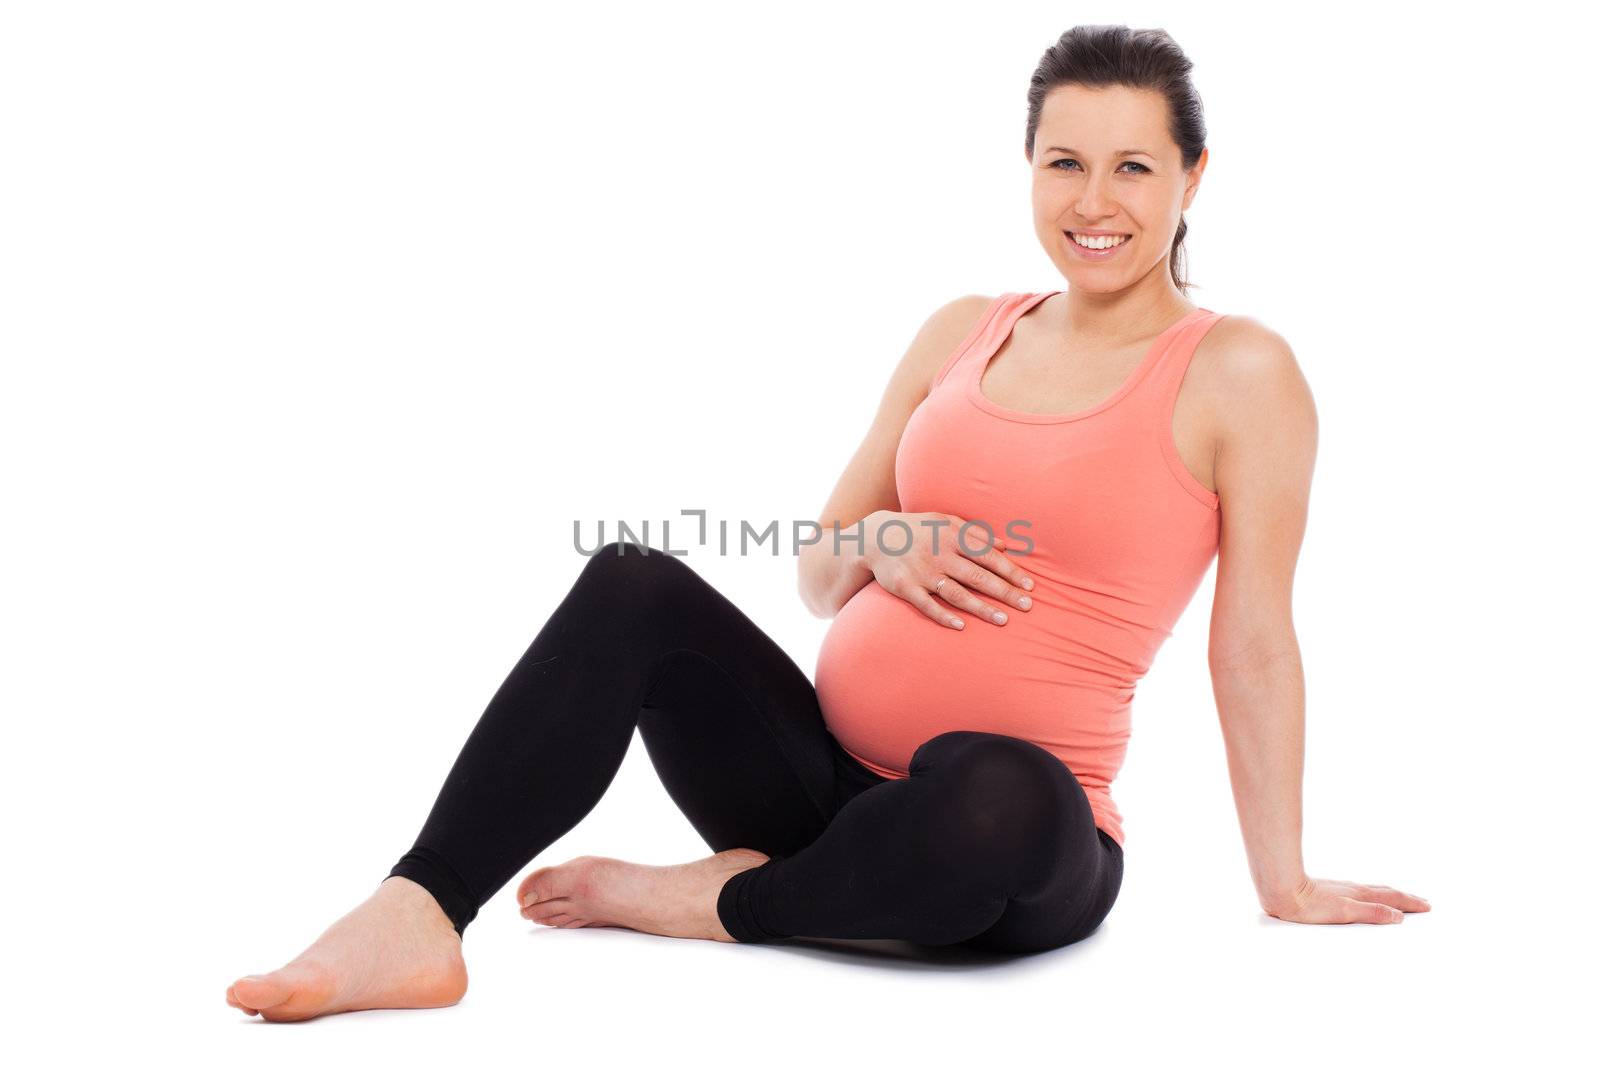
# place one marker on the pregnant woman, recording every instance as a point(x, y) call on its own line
point(947, 778)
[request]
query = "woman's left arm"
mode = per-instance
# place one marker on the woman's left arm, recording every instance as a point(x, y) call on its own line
point(1266, 448)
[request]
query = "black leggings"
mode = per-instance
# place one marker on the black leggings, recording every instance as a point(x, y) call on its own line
point(989, 841)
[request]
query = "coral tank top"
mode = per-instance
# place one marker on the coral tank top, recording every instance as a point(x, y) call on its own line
point(1121, 535)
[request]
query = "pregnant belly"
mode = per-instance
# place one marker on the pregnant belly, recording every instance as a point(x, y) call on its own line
point(889, 678)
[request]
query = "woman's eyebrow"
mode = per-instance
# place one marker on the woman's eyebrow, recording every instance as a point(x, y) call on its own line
point(1120, 152)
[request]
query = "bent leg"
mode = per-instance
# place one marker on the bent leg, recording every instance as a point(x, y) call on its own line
point(638, 635)
point(990, 840)
point(639, 640)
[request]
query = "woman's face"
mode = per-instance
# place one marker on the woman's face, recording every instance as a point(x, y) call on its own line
point(1082, 180)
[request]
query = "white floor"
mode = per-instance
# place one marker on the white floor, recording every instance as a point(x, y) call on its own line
point(1184, 966)
point(1170, 974)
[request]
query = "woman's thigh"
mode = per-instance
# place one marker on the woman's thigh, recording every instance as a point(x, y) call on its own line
point(732, 725)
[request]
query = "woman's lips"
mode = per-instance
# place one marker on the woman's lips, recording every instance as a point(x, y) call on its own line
point(1097, 253)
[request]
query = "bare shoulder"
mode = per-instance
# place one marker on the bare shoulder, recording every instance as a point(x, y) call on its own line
point(936, 341)
point(941, 333)
point(1262, 418)
point(1240, 345)
point(1245, 365)
point(961, 314)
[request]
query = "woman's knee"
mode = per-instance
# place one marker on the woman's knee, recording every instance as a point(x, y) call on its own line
point(988, 760)
point(627, 559)
point(996, 794)
point(626, 576)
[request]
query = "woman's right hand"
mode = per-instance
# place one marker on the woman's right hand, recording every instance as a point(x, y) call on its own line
point(937, 581)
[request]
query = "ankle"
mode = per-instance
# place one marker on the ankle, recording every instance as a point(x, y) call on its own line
point(414, 899)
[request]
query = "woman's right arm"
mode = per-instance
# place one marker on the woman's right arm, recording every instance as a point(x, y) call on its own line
point(827, 578)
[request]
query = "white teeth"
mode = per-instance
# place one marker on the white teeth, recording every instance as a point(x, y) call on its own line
point(1098, 242)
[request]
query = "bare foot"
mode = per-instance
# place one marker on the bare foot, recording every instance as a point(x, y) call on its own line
point(397, 949)
point(674, 901)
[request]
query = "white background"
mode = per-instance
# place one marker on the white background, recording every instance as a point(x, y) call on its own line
point(322, 322)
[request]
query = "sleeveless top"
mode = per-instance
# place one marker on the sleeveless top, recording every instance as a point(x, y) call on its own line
point(1121, 535)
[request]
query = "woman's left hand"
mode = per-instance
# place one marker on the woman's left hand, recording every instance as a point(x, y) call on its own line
point(1326, 900)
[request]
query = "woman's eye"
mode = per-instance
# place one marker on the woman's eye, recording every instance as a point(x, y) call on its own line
point(1129, 163)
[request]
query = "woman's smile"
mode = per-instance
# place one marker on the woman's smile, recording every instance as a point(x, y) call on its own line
point(1099, 246)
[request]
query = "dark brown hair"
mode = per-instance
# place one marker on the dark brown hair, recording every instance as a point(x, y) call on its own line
point(1099, 56)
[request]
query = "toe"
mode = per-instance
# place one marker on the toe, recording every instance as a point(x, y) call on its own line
point(546, 911)
point(535, 887)
point(258, 991)
point(233, 1002)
